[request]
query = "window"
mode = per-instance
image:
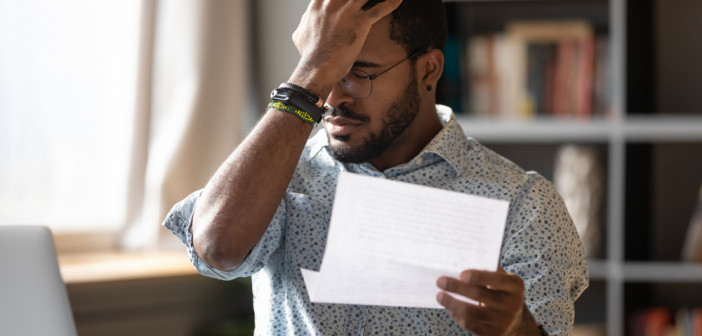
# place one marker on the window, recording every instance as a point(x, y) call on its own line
point(68, 74)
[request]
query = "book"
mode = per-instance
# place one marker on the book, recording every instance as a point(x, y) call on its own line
point(692, 248)
point(538, 69)
point(490, 76)
point(696, 322)
point(539, 86)
point(574, 65)
point(449, 88)
point(481, 76)
point(665, 321)
point(602, 81)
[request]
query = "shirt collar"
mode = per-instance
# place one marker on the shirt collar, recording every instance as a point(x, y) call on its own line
point(450, 143)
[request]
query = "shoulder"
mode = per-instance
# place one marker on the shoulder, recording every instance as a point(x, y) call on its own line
point(490, 174)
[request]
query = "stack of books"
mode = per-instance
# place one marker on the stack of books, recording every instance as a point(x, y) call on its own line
point(660, 321)
point(539, 68)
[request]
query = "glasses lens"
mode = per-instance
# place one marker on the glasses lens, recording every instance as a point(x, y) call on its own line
point(357, 84)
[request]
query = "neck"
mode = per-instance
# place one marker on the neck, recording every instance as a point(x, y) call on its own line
point(411, 142)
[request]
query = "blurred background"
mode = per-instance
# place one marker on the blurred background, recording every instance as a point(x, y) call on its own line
point(113, 111)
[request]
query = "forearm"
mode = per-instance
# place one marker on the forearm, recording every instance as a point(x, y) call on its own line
point(240, 200)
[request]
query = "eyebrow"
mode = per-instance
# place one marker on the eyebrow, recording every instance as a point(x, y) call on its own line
point(365, 64)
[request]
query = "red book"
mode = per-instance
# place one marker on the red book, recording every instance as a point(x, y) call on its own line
point(658, 322)
point(564, 97)
point(696, 325)
point(586, 69)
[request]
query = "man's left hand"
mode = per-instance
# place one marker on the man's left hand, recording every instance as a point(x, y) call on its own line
point(501, 309)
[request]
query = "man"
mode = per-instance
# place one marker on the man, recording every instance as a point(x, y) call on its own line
point(266, 210)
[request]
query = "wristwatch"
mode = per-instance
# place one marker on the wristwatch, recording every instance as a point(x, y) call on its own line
point(291, 94)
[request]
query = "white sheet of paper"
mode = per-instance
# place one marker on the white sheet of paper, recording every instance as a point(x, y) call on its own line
point(390, 241)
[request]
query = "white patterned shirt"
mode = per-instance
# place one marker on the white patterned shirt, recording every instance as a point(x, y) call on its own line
point(540, 242)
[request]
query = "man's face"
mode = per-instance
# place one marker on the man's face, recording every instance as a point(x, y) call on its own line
point(363, 129)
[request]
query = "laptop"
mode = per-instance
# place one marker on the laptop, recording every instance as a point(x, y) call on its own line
point(33, 297)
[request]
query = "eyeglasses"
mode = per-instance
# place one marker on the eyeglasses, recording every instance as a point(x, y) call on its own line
point(359, 84)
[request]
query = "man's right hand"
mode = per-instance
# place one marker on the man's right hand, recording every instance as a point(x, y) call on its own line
point(330, 37)
point(240, 200)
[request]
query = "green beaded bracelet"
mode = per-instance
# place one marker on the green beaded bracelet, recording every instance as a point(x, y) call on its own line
point(300, 113)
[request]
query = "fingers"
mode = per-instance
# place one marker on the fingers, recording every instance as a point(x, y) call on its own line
point(476, 292)
point(498, 281)
point(500, 296)
point(468, 316)
point(330, 36)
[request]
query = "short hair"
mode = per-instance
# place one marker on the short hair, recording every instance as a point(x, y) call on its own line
point(419, 25)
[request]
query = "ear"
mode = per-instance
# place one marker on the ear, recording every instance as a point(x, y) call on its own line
point(429, 68)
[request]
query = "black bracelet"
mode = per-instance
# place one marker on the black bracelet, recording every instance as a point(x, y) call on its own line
point(317, 100)
point(300, 98)
point(293, 98)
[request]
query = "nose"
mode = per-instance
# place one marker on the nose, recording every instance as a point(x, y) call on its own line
point(338, 96)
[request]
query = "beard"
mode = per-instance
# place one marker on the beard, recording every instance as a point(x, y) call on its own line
point(399, 116)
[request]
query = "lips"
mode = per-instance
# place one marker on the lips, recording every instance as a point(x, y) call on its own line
point(341, 126)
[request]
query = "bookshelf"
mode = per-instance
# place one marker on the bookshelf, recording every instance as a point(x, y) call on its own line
point(651, 141)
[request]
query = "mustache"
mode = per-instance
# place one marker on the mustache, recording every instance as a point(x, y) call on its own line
point(343, 111)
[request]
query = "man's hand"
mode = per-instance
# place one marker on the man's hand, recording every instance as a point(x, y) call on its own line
point(501, 297)
point(330, 37)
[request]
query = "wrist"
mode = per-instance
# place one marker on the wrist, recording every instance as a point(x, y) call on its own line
point(529, 325)
point(298, 100)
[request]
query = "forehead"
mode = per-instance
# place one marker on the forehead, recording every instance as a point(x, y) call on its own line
point(378, 44)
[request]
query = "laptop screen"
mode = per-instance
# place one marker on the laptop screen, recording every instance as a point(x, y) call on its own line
point(33, 297)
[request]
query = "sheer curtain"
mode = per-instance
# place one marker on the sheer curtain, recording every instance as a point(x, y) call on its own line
point(67, 70)
point(112, 111)
point(195, 105)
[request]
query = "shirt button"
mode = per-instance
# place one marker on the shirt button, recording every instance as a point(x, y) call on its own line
point(418, 161)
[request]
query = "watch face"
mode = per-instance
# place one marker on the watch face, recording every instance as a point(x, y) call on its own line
point(280, 95)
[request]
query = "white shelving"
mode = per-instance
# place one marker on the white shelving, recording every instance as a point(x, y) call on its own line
point(647, 128)
point(616, 133)
point(633, 129)
point(599, 269)
point(677, 272)
point(538, 130)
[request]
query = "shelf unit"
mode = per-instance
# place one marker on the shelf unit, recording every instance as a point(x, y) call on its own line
point(635, 129)
point(635, 132)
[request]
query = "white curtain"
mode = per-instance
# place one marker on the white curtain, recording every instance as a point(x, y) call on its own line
point(67, 73)
point(194, 102)
point(111, 111)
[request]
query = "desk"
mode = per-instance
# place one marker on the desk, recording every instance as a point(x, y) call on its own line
point(155, 293)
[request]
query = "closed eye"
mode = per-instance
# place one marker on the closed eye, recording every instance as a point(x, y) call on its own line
point(359, 74)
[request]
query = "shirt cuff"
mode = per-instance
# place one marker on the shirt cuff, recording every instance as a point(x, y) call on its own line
point(179, 222)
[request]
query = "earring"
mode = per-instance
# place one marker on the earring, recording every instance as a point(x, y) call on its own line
point(428, 87)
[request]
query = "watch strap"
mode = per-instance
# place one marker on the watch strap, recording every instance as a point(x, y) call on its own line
point(302, 100)
point(317, 100)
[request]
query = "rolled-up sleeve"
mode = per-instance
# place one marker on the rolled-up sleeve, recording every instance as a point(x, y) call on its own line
point(179, 222)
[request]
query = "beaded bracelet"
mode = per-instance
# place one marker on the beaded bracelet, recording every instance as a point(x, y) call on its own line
point(300, 113)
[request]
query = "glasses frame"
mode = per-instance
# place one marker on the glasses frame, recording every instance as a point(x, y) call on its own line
point(371, 78)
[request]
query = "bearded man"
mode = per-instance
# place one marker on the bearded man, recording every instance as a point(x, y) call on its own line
point(266, 211)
